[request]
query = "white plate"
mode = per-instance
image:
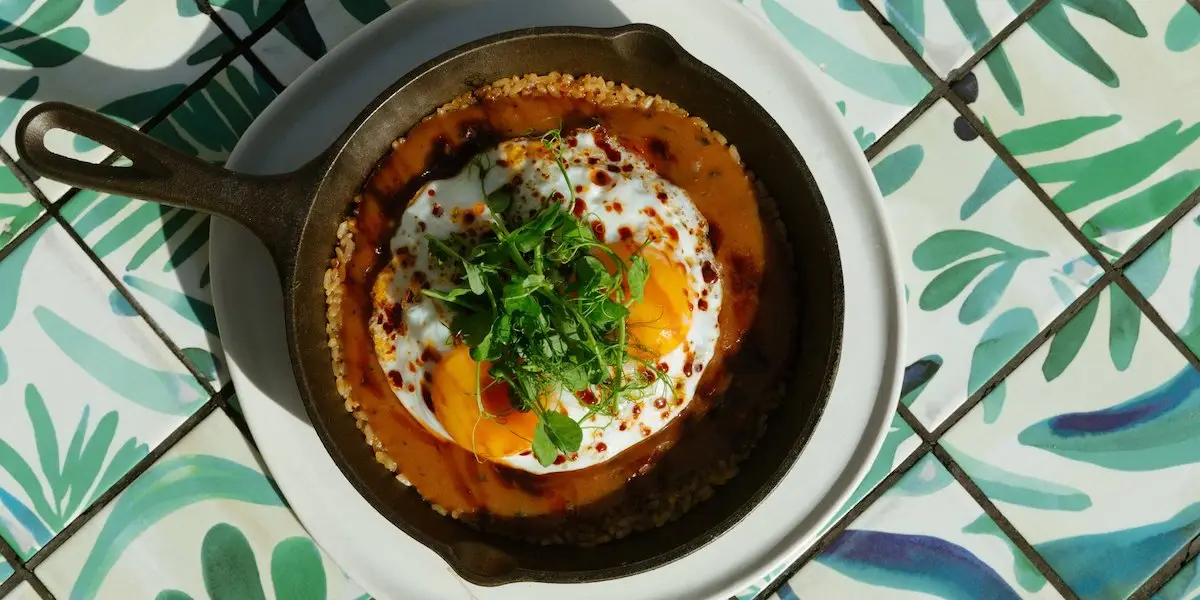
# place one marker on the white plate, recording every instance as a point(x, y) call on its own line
point(311, 113)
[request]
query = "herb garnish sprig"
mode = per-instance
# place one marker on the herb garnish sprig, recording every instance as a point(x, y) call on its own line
point(538, 304)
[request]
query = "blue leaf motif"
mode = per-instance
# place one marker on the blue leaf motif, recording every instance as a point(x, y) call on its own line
point(1155, 430)
point(917, 563)
point(917, 376)
point(27, 519)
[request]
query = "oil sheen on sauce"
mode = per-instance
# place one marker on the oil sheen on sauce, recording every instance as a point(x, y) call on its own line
point(681, 152)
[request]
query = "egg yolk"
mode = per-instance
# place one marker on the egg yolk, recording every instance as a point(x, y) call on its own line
point(505, 432)
point(659, 322)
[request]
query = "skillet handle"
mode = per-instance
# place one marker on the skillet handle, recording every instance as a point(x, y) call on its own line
point(273, 207)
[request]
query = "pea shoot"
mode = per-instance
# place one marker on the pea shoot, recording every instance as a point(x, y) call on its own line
point(535, 300)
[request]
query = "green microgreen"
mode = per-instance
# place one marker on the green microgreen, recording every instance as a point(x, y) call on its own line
point(534, 300)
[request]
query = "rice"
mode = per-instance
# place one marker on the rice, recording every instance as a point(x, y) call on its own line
point(658, 507)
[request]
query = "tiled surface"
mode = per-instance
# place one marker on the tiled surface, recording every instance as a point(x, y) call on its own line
point(924, 537)
point(24, 591)
point(1070, 471)
point(227, 533)
point(1125, 149)
point(83, 53)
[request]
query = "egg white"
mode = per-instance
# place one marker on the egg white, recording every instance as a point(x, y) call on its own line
point(625, 193)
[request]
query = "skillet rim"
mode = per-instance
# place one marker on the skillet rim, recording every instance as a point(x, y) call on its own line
point(326, 163)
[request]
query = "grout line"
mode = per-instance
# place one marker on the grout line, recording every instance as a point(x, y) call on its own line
point(1153, 315)
point(1021, 173)
point(843, 522)
point(219, 65)
point(1023, 354)
point(1003, 523)
point(199, 375)
point(913, 422)
point(9, 555)
point(37, 223)
point(1196, 3)
point(11, 583)
point(239, 45)
point(902, 126)
point(1159, 230)
point(1002, 36)
point(1168, 570)
point(918, 61)
point(121, 484)
point(36, 583)
point(273, 21)
point(23, 178)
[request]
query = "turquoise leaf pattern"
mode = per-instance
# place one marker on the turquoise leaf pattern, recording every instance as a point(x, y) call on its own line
point(1149, 270)
point(231, 571)
point(1021, 490)
point(1028, 577)
point(898, 84)
point(925, 478)
point(897, 168)
point(1053, 26)
point(1113, 564)
point(133, 110)
point(944, 247)
point(215, 117)
point(1183, 32)
point(1054, 135)
point(1124, 326)
point(1106, 174)
point(160, 391)
point(898, 433)
point(168, 486)
point(1154, 430)
point(68, 476)
point(969, 19)
point(908, 16)
point(1001, 341)
point(995, 179)
point(40, 41)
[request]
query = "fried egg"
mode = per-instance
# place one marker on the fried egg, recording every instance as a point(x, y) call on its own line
point(627, 204)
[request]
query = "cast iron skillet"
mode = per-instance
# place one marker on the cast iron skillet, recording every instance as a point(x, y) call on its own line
point(296, 216)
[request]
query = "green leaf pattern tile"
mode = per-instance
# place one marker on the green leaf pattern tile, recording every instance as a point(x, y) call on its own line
point(18, 208)
point(1108, 123)
point(210, 521)
point(1095, 98)
point(308, 32)
point(81, 52)
point(925, 537)
point(948, 32)
point(159, 253)
point(1168, 274)
point(860, 69)
point(1185, 585)
point(986, 266)
point(1087, 418)
point(5, 571)
point(85, 392)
